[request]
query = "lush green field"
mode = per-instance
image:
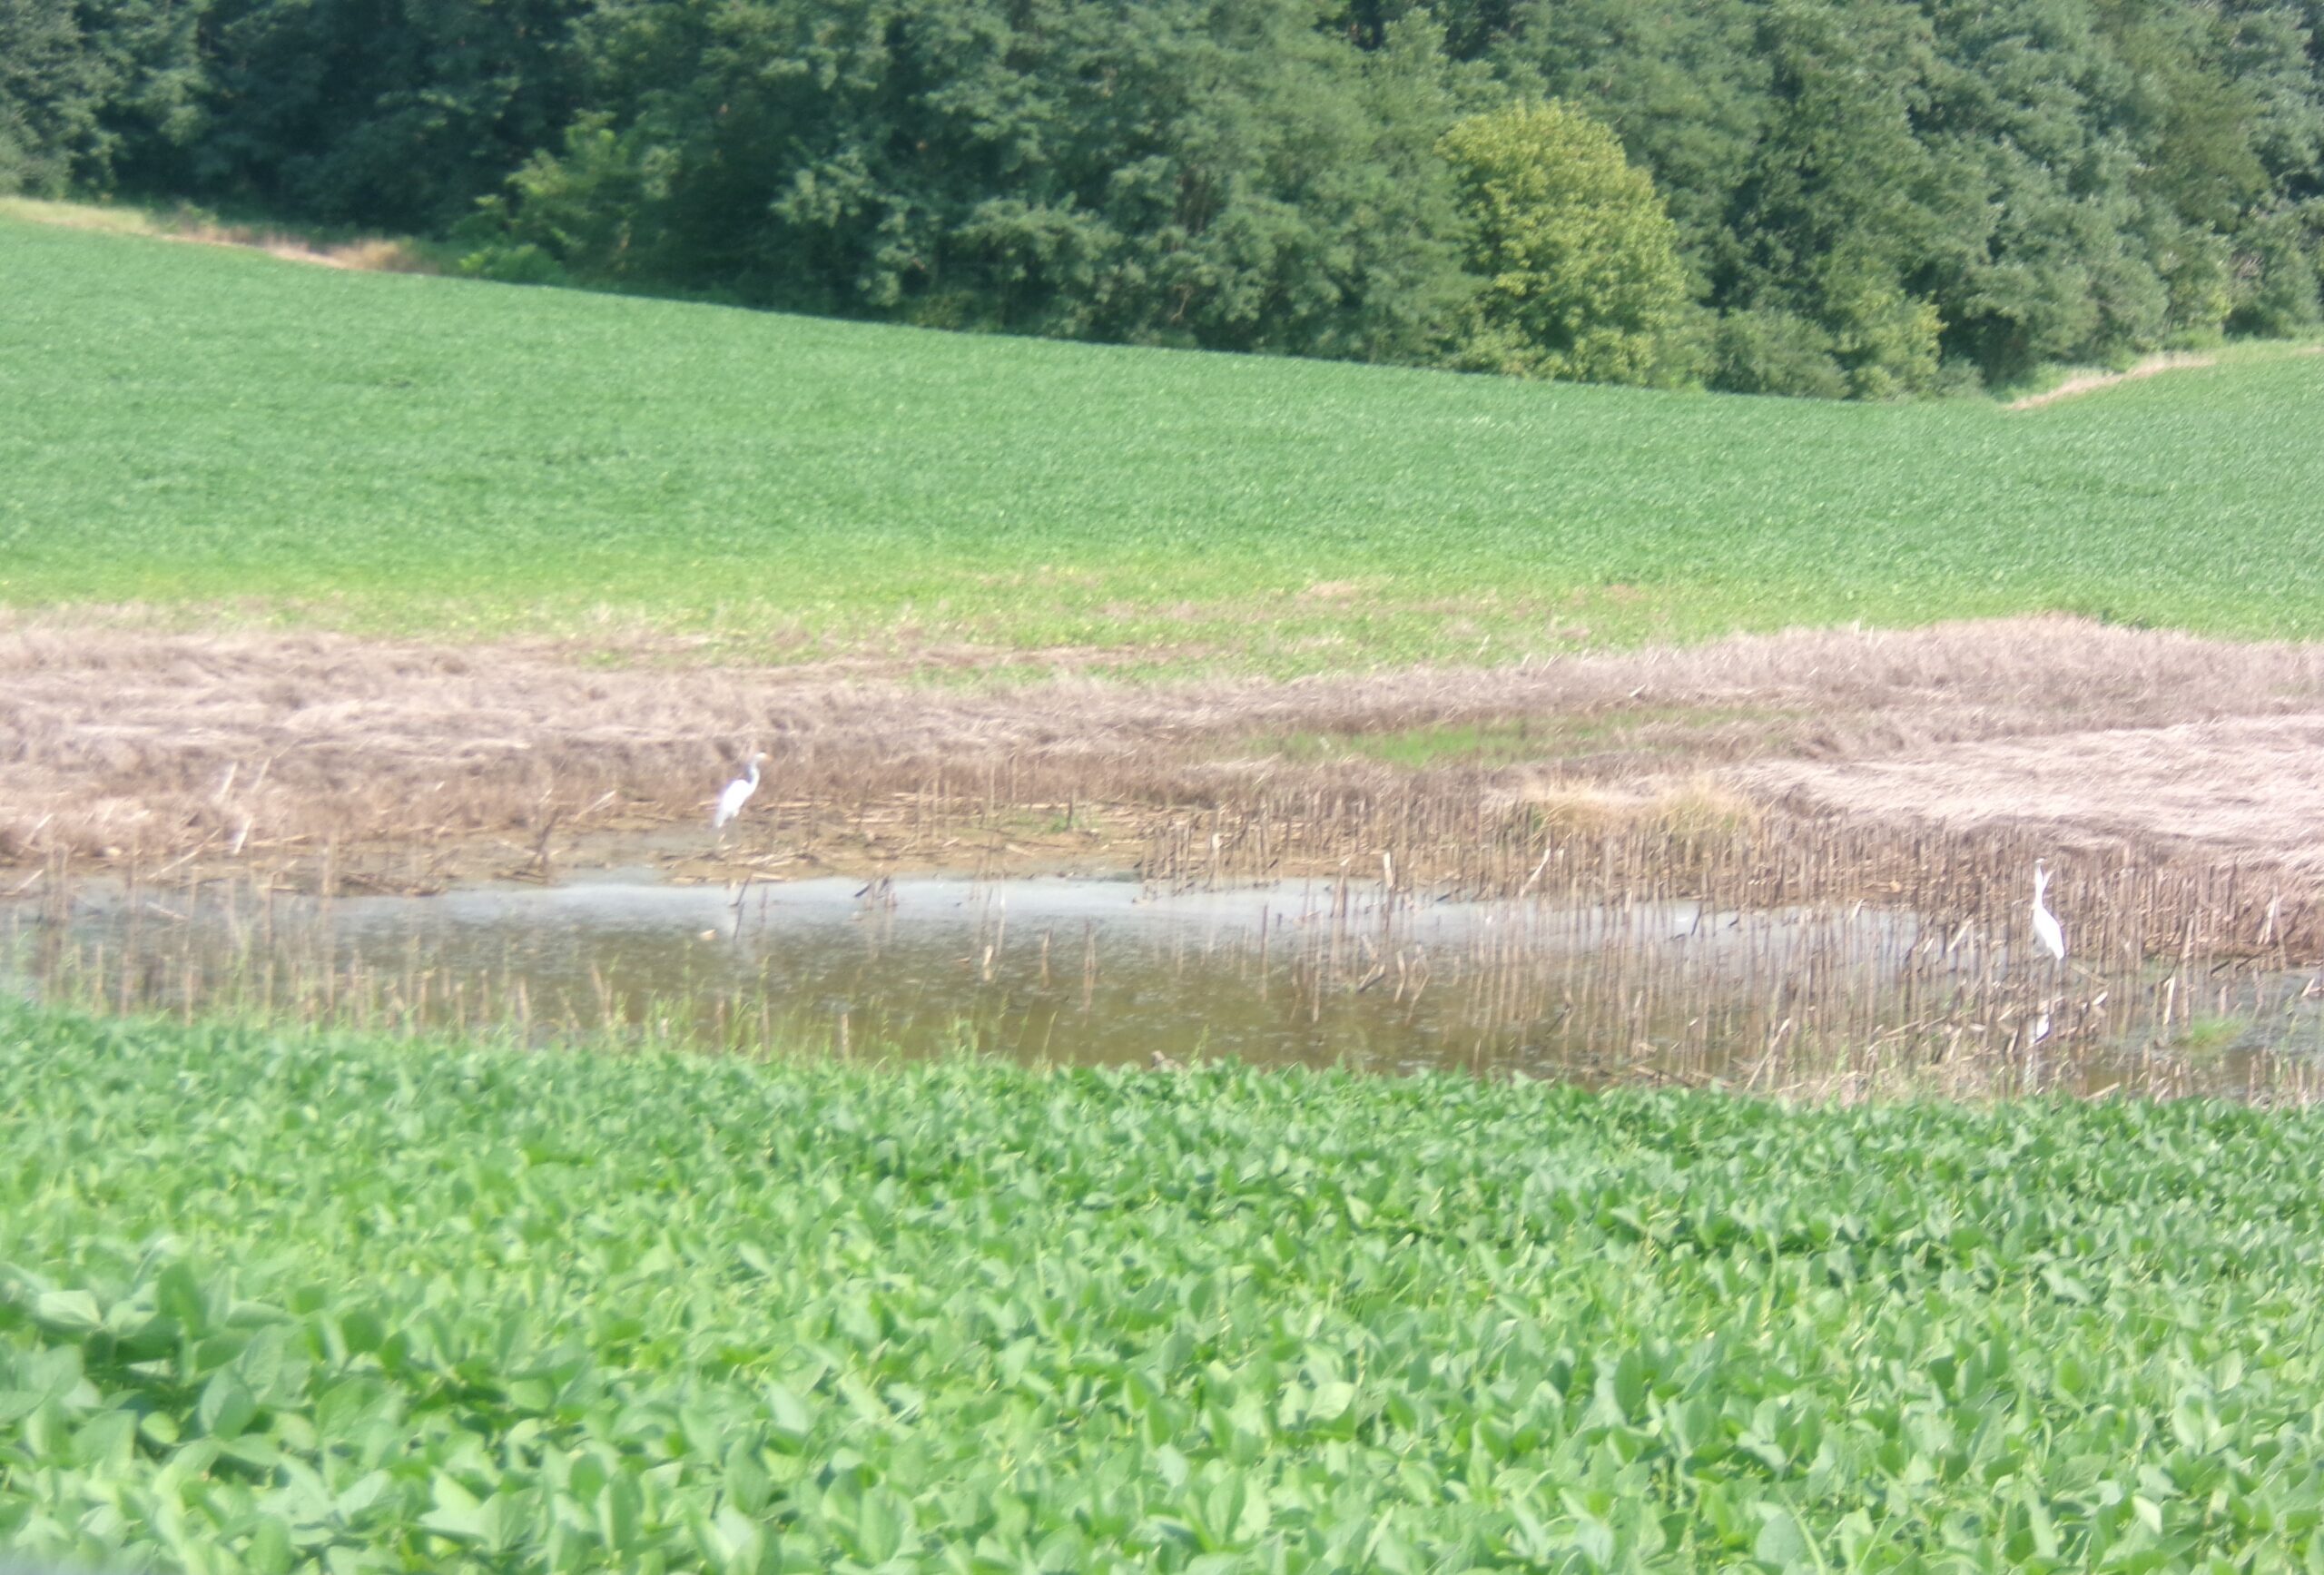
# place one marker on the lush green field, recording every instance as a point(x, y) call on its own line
point(183, 423)
point(271, 1302)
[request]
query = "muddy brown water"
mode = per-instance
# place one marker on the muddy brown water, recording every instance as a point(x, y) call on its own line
point(1818, 1000)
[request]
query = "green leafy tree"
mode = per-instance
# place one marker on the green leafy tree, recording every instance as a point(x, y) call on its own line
point(1203, 172)
point(1577, 262)
point(1840, 204)
point(53, 89)
point(393, 113)
point(1881, 196)
point(1685, 83)
point(2276, 273)
point(1869, 198)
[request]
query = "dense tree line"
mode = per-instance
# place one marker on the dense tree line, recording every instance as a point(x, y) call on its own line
point(1827, 197)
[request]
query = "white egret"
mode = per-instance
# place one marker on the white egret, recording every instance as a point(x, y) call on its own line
point(731, 800)
point(2045, 923)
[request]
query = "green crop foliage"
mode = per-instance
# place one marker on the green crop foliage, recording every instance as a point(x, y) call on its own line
point(230, 435)
point(277, 1302)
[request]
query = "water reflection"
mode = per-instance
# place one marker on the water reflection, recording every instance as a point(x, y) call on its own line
point(1077, 969)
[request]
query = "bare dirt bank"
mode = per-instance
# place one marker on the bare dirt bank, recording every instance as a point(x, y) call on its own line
point(376, 254)
point(434, 761)
point(2088, 382)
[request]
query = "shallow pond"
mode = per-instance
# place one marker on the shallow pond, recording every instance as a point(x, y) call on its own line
point(1098, 971)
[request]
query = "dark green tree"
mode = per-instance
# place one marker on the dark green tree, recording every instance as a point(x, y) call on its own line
point(392, 113)
point(1211, 172)
point(1869, 197)
point(52, 91)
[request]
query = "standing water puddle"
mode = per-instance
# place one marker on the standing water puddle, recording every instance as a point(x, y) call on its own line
point(1092, 970)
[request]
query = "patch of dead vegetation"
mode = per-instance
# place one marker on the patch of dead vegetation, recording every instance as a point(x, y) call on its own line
point(2245, 784)
point(1693, 807)
point(376, 254)
point(371, 254)
point(2086, 382)
point(152, 743)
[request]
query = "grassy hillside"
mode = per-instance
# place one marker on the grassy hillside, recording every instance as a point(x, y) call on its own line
point(274, 1303)
point(185, 424)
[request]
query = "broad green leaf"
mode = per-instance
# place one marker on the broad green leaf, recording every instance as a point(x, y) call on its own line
point(227, 1406)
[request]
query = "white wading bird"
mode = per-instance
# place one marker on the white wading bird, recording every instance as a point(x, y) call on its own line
point(2045, 923)
point(732, 797)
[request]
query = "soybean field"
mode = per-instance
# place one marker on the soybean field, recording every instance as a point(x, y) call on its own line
point(281, 1300)
point(205, 433)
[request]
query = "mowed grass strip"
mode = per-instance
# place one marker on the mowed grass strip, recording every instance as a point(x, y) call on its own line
point(277, 1302)
point(190, 425)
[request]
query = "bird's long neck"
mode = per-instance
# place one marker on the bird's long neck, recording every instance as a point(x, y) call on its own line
point(755, 772)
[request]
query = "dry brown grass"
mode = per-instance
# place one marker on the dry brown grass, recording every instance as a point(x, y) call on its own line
point(2243, 783)
point(2085, 382)
point(150, 744)
point(1684, 810)
point(375, 254)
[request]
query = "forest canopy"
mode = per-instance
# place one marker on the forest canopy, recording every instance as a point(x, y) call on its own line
point(1867, 198)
